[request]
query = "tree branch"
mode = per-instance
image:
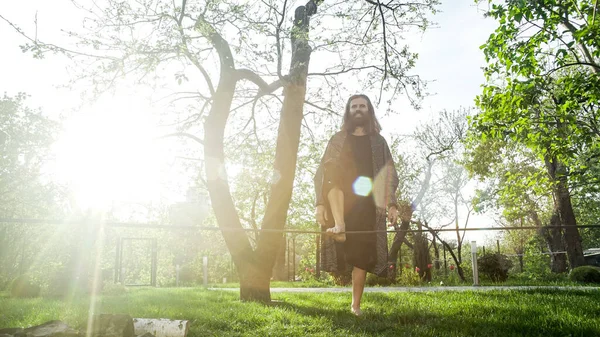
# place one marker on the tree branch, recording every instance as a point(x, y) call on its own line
point(189, 56)
point(183, 134)
point(264, 87)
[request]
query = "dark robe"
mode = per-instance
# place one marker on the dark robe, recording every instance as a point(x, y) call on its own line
point(385, 182)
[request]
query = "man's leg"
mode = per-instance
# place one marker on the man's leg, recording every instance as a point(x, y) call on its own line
point(336, 201)
point(359, 277)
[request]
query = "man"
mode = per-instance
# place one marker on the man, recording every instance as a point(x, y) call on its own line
point(355, 184)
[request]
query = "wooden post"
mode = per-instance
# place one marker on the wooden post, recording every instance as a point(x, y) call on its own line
point(294, 258)
point(205, 267)
point(154, 263)
point(289, 247)
point(399, 265)
point(117, 260)
point(121, 278)
point(445, 262)
point(318, 257)
point(474, 263)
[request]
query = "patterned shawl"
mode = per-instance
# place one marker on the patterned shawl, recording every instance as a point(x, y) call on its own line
point(384, 192)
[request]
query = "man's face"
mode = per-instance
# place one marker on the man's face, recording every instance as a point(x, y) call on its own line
point(359, 112)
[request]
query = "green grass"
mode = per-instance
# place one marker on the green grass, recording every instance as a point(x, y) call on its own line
point(219, 313)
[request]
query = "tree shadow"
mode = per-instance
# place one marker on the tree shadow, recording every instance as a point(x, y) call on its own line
point(481, 320)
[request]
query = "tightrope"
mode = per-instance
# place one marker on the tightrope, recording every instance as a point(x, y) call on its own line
point(265, 230)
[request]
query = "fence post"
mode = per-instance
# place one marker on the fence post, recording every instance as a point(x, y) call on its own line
point(474, 261)
point(318, 255)
point(445, 262)
point(294, 258)
point(205, 264)
point(154, 262)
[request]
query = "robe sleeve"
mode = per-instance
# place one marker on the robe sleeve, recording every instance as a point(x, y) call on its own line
point(392, 181)
point(320, 175)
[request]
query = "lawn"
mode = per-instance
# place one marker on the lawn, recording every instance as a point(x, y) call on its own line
point(219, 313)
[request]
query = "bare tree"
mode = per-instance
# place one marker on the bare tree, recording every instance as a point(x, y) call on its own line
point(436, 140)
point(230, 56)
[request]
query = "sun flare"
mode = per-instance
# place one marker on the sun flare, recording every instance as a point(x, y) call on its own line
point(109, 154)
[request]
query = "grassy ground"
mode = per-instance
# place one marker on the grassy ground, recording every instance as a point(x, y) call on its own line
point(220, 313)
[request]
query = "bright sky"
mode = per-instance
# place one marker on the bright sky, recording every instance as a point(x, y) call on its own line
point(449, 55)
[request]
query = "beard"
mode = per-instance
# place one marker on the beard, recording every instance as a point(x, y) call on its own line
point(358, 120)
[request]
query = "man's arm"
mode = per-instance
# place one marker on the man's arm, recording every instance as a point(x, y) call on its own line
point(393, 181)
point(320, 202)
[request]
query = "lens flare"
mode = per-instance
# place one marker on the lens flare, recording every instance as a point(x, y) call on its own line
point(362, 186)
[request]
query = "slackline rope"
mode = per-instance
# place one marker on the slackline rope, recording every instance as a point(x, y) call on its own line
point(267, 230)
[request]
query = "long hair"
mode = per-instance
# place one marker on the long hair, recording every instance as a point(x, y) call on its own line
point(373, 127)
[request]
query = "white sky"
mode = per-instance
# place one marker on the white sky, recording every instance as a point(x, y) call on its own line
point(449, 55)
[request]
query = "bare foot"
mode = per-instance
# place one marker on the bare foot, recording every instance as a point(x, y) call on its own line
point(356, 311)
point(338, 232)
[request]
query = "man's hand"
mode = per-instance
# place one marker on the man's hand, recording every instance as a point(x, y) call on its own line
point(321, 215)
point(392, 215)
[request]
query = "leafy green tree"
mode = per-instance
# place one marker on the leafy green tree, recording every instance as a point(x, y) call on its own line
point(26, 136)
point(542, 92)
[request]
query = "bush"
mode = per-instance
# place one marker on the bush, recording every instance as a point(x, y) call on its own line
point(22, 286)
point(408, 277)
point(585, 274)
point(494, 266)
point(374, 280)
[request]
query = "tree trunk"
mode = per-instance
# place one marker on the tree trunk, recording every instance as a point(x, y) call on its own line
point(554, 243)
point(255, 279)
point(563, 207)
point(218, 187)
point(436, 251)
point(421, 254)
point(571, 232)
point(456, 259)
point(255, 267)
point(279, 272)
point(405, 214)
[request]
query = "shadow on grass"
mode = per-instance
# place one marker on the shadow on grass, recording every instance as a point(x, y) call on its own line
point(485, 315)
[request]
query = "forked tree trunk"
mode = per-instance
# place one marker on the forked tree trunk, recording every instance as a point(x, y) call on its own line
point(554, 243)
point(255, 266)
point(563, 207)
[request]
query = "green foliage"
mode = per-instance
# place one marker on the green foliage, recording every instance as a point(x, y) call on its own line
point(535, 262)
point(494, 266)
point(374, 280)
point(26, 136)
point(408, 277)
point(24, 286)
point(585, 274)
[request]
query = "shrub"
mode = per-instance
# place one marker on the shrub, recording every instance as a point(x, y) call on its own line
point(374, 280)
point(22, 286)
point(585, 274)
point(494, 266)
point(408, 277)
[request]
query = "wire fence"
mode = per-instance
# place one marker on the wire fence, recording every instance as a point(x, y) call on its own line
point(294, 260)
